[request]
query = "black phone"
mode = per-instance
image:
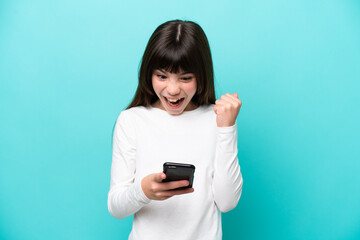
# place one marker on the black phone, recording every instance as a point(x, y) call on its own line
point(179, 171)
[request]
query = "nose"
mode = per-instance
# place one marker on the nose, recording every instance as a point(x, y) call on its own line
point(173, 88)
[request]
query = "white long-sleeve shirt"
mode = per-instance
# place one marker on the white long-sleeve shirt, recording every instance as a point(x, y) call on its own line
point(145, 138)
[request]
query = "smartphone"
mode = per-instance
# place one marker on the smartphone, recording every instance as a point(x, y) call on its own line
point(179, 171)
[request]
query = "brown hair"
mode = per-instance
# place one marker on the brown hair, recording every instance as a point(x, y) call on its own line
point(177, 45)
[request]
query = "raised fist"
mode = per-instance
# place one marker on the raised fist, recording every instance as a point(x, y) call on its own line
point(226, 109)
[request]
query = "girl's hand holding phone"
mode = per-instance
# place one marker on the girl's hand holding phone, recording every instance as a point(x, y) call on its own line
point(155, 189)
point(226, 109)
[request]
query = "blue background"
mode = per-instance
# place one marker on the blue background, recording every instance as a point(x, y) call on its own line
point(67, 69)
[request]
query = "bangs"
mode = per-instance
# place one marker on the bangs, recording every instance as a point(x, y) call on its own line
point(174, 60)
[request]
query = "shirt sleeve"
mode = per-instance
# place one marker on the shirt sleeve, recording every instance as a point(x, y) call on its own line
point(126, 196)
point(227, 179)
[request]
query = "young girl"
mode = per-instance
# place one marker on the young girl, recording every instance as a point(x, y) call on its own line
point(174, 118)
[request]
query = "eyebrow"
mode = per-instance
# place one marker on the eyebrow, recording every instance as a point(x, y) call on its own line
point(183, 73)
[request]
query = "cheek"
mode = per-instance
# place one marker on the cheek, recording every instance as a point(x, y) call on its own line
point(156, 86)
point(191, 88)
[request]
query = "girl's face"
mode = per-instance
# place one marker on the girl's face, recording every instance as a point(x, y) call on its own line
point(174, 90)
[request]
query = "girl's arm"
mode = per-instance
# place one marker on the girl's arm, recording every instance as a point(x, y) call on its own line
point(125, 196)
point(227, 178)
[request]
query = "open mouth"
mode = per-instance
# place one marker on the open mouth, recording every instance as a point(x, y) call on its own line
point(174, 103)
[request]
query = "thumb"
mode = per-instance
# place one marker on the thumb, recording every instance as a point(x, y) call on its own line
point(236, 95)
point(215, 109)
point(158, 177)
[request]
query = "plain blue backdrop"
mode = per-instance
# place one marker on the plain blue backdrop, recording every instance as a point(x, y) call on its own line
point(67, 69)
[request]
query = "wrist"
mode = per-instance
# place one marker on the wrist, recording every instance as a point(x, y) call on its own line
point(224, 125)
point(141, 193)
point(143, 188)
point(228, 129)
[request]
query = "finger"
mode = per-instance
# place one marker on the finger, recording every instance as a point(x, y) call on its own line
point(171, 193)
point(219, 108)
point(158, 177)
point(232, 98)
point(182, 191)
point(174, 184)
point(228, 103)
point(235, 95)
point(220, 102)
point(215, 109)
point(229, 98)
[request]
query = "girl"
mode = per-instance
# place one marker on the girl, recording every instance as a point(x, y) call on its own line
point(174, 118)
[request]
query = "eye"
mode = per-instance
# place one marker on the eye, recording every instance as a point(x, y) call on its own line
point(162, 77)
point(186, 78)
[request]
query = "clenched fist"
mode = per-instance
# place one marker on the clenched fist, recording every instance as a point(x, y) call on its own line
point(226, 109)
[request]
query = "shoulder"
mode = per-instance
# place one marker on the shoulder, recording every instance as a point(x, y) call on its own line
point(132, 113)
point(207, 110)
point(204, 115)
point(125, 117)
point(128, 119)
